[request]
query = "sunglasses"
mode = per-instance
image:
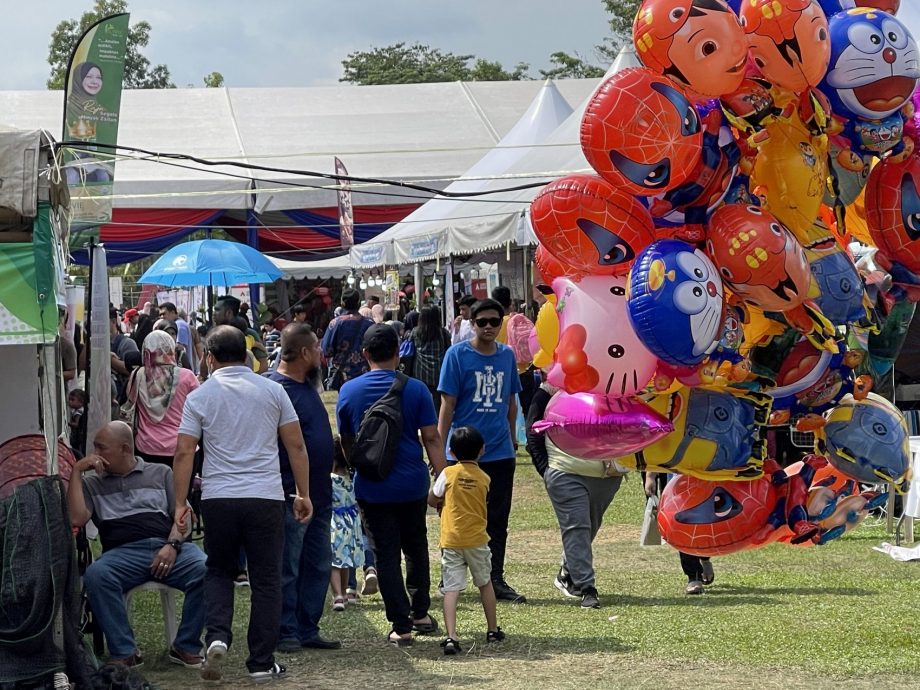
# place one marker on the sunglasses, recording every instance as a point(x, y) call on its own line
point(494, 322)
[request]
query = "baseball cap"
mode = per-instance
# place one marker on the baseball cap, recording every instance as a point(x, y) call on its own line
point(380, 336)
point(130, 313)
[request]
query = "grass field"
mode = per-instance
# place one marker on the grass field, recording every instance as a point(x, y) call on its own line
point(840, 615)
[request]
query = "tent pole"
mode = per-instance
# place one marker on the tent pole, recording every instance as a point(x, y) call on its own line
point(418, 277)
point(252, 239)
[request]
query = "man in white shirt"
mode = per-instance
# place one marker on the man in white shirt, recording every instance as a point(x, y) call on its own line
point(242, 496)
point(461, 328)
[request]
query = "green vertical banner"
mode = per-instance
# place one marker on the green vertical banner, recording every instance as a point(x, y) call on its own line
point(92, 103)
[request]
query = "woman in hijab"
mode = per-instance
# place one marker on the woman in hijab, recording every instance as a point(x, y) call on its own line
point(377, 313)
point(156, 395)
point(84, 87)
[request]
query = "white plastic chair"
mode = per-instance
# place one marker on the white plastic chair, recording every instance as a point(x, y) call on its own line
point(168, 603)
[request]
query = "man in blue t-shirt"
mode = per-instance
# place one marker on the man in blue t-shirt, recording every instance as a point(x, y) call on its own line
point(394, 508)
point(307, 558)
point(478, 383)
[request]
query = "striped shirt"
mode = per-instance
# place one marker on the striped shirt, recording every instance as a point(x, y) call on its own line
point(138, 505)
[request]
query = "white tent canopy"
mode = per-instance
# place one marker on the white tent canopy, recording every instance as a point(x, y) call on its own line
point(424, 133)
point(423, 231)
point(339, 267)
point(469, 226)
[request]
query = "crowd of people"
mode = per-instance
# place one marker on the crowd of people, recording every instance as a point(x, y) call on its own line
point(293, 511)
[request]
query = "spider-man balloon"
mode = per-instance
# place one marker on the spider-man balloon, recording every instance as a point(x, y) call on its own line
point(641, 133)
point(893, 210)
point(590, 226)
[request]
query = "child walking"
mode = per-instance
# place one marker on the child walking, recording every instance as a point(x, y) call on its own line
point(347, 547)
point(464, 542)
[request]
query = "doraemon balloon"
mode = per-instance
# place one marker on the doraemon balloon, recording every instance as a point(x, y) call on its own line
point(598, 351)
point(874, 64)
point(676, 302)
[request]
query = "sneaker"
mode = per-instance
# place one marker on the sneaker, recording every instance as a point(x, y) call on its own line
point(351, 595)
point(694, 587)
point(370, 586)
point(242, 580)
point(217, 652)
point(181, 658)
point(338, 604)
point(451, 647)
point(565, 585)
point(589, 598)
point(504, 592)
point(708, 574)
point(133, 661)
point(496, 635)
point(276, 671)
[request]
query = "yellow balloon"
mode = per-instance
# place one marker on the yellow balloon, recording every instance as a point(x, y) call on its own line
point(790, 173)
point(547, 329)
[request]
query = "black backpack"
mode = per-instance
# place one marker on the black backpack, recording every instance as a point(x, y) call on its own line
point(374, 449)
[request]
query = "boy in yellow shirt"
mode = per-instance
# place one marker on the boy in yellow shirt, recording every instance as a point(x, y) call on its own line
point(463, 487)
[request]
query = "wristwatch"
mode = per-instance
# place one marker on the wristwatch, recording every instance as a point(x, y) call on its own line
point(176, 544)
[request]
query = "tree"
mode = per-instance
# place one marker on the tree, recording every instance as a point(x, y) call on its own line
point(139, 74)
point(419, 63)
point(622, 13)
point(571, 67)
point(214, 80)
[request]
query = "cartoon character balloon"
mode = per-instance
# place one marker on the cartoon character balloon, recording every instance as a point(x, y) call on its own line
point(832, 7)
point(598, 351)
point(697, 43)
point(789, 41)
point(589, 225)
point(641, 133)
point(764, 264)
point(717, 435)
point(893, 210)
point(874, 67)
point(548, 266)
point(866, 439)
point(595, 427)
point(676, 302)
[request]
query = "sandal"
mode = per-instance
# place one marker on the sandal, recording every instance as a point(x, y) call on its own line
point(451, 646)
point(426, 628)
point(397, 640)
point(338, 604)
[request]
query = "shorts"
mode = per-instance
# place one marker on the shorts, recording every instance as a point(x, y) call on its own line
point(454, 563)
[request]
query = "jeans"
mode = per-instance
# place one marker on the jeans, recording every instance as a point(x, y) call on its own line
point(305, 569)
point(580, 504)
point(257, 525)
point(396, 529)
point(498, 507)
point(125, 567)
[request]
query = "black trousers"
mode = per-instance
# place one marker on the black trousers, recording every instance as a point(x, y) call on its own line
point(692, 565)
point(528, 390)
point(395, 530)
point(256, 525)
point(498, 506)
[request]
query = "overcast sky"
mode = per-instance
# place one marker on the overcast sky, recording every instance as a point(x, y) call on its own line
point(303, 42)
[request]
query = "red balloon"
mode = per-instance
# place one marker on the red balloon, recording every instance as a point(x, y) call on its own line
point(590, 226)
point(548, 266)
point(715, 518)
point(773, 27)
point(698, 43)
point(893, 210)
point(641, 133)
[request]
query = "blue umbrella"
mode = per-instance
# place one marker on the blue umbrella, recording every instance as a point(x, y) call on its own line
point(210, 262)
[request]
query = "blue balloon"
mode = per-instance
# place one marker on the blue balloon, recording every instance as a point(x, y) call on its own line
point(841, 287)
point(873, 68)
point(867, 440)
point(675, 302)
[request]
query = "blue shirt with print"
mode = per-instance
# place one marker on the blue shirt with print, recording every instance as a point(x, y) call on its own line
point(484, 386)
point(408, 480)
